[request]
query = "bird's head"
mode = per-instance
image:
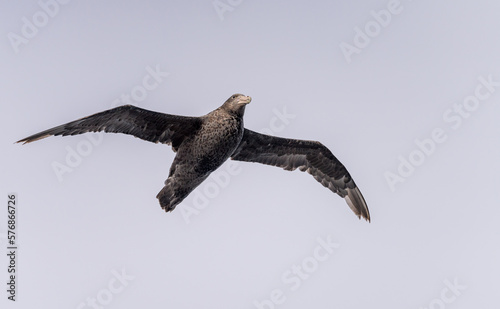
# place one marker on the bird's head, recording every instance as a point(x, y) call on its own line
point(236, 103)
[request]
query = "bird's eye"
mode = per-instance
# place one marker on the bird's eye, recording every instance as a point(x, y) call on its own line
point(234, 97)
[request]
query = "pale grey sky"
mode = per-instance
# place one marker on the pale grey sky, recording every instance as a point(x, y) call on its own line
point(405, 93)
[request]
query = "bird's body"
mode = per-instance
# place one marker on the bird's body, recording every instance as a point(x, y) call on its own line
point(200, 154)
point(205, 143)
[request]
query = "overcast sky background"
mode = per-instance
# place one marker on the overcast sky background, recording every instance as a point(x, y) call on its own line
point(437, 228)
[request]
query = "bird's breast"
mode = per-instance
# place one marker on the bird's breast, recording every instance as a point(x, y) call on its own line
point(215, 142)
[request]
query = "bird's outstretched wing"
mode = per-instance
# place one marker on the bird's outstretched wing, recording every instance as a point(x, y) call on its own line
point(147, 125)
point(309, 156)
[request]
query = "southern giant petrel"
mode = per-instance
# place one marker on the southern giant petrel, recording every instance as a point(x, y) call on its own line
point(204, 143)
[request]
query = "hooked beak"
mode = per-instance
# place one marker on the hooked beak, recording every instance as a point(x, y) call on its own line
point(245, 100)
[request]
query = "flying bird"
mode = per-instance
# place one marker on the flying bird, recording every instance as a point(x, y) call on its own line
point(204, 143)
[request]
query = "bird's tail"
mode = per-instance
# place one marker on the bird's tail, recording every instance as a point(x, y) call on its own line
point(176, 189)
point(169, 197)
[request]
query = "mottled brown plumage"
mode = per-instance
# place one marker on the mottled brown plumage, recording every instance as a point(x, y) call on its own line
point(204, 143)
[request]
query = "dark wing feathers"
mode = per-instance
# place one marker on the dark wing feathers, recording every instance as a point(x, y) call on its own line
point(147, 125)
point(289, 154)
point(309, 156)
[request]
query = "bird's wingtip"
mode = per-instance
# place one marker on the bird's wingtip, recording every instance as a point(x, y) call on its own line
point(32, 138)
point(357, 203)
